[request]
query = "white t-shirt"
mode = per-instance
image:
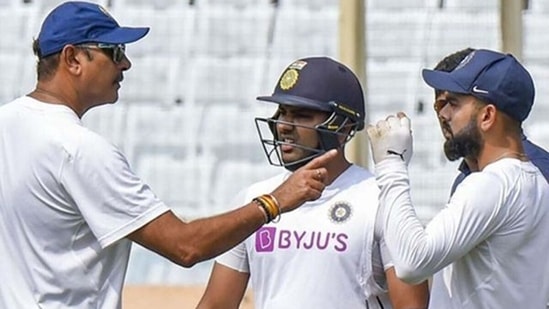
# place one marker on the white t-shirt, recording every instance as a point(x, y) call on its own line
point(489, 245)
point(319, 255)
point(67, 200)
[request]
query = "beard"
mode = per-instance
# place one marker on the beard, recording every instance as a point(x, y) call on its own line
point(467, 143)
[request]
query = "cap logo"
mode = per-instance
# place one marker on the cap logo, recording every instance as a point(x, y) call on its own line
point(477, 90)
point(289, 79)
point(465, 60)
point(102, 9)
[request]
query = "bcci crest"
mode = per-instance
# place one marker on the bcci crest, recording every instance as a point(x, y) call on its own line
point(340, 212)
point(288, 79)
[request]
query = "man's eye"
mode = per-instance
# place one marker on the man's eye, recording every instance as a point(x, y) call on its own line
point(439, 105)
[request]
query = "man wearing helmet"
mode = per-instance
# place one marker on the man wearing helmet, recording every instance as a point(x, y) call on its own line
point(323, 255)
point(337, 101)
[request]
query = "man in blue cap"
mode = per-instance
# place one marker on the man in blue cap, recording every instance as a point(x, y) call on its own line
point(487, 248)
point(322, 255)
point(70, 205)
point(538, 155)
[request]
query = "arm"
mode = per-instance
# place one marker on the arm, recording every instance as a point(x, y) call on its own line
point(418, 252)
point(225, 288)
point(471, 215)
point(404, 295)
point(189, 243)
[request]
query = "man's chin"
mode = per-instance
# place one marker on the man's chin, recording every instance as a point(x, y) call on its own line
point(451, 152)
point(296, 162)
point(452, 157)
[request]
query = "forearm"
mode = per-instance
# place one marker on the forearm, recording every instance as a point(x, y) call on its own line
point(189, 243)
point(225, 289)
point(209, 237)
point(468, 219)
point(406, 296)
point(404, 234)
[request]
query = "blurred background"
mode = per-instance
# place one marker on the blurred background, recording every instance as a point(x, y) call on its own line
point(186, 108)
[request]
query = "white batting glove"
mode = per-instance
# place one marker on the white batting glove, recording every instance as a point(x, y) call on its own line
point(391, 137)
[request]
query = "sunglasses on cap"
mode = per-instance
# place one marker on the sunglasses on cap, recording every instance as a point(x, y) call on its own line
point(115, 51)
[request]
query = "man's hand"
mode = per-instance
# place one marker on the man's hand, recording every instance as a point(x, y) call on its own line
point(305, 184)
point(391, 137)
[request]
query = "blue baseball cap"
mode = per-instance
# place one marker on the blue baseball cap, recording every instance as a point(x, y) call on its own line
point(320, 83)
point(490, 76)
point(76, 22)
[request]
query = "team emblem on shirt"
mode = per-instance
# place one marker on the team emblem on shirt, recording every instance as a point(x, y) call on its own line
point(340, 212)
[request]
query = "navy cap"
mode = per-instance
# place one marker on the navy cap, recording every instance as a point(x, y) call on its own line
point(316, 83)
point(490, 76)
point(76, 22)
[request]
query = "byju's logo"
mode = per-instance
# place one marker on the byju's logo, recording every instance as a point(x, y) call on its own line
point(264, 239)
point(269, 238)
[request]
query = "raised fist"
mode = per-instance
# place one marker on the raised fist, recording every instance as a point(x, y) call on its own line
point(391, 137)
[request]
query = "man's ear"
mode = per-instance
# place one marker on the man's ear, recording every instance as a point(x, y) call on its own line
point(488, 117)
point(71, 59)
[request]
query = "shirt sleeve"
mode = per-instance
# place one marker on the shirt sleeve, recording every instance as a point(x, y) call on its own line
point(386, 260)
point(381, 261)
point(113, 201)
point(237, 257)
point(471, 215)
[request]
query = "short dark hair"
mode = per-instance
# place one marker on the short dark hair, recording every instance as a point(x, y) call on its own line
point(450, 62)
point(45, 66)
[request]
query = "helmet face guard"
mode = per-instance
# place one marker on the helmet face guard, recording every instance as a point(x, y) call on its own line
point(334, 132)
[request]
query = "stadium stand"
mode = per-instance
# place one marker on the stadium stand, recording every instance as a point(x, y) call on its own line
point(9, 81)
point(231, 31)
point(231, 80)
point(300, 32)
point(397, 35)
point(472, 5)
point(536, 39)
point(171, 31)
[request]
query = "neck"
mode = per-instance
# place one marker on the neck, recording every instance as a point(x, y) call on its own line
point(513, 154)
point(46, 94)
point(336, 168)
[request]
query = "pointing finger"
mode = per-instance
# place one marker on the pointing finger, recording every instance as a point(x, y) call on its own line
point(321, 160)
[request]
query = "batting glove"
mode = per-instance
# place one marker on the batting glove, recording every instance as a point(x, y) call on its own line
point(391, 137)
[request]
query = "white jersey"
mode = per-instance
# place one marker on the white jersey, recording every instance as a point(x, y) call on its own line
point(489, 245)
point(67, 200)
point(321, 255)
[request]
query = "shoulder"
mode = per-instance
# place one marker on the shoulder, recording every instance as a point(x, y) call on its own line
point(494, 182)
point(538, 155)
point(533, 150)
point(81, 141)
point(355, 185)
point(85, 149)
point(356, 177)
point(265, 186)
point(492, 175)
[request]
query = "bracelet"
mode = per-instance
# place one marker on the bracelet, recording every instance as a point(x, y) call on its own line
point(260, 206)
point(275, 206)
point(269, 206)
